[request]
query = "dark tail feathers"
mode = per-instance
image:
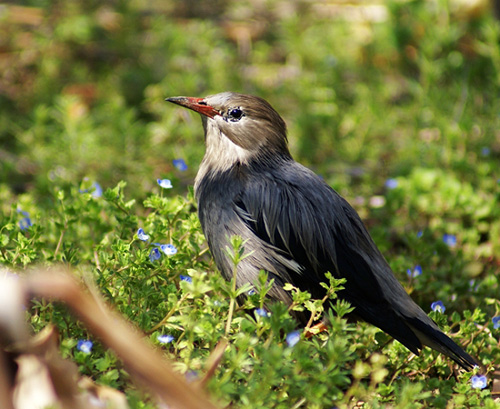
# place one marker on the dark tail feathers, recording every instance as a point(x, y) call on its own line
point(429, 334)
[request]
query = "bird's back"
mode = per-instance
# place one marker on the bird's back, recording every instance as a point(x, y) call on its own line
point(297, 228)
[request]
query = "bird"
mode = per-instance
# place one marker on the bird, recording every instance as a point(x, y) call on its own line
point(293, 224)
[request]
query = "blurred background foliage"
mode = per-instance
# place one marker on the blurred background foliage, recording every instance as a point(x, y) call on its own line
point(396, 104)
point(370, 91)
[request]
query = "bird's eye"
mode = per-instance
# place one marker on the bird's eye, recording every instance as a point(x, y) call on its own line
point(235, 114)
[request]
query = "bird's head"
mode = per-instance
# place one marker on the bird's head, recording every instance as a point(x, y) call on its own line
point(240, 127)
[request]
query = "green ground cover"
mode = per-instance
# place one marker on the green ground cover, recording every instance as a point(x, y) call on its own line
point(399, 111)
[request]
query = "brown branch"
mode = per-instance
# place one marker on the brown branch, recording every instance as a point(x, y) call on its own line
point(143, 362)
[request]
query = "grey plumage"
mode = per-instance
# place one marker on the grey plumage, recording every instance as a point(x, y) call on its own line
point(296, 227)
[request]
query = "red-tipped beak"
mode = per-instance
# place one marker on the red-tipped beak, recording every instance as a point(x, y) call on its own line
point(196, 104)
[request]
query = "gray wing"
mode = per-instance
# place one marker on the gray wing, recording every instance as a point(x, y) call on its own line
point(297, 228)
point(298, 213)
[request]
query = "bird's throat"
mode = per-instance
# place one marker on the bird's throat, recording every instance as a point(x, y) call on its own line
point(221, 152)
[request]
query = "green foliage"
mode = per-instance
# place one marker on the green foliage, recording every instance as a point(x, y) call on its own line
point(413, 97)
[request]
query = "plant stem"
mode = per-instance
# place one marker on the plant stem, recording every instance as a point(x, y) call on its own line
point(232, 302)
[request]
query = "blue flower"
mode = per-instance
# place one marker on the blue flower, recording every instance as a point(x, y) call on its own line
point(473, 286)
point(154, 255)
point(85, 346)
point(415, 272)
point(96, 189)
point(262, 312)
point(391, 183)
point(191, 376)
point(450, 240)
point(251, 292)
point(165, 339)
point(168, 249)
point(25, 222)
point(186, 278)
point(97, 192)
point(180, 164)
point(292, 338)
point(165, 183)
point(479, 381)
point(485, 151)
point(141, 235)
point(420, 233)
point(438, 306)
point(496, 322)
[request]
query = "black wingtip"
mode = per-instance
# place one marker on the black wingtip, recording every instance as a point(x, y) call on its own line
point(464, 360)
point(455, 352)
point(430, 335)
